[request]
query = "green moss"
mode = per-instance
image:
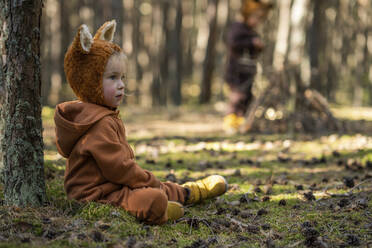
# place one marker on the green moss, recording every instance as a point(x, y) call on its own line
point(38, 231)
point(285, 220)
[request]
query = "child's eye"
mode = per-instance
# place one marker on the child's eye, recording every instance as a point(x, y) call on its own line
point(122, 78)
point(112, 77)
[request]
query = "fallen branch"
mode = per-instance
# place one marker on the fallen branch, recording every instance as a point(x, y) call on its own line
point(350, 192)
point(249, 228)
point(321, 105)
point(356, 186)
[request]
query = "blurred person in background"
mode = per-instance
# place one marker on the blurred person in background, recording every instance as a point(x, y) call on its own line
point(244, 46)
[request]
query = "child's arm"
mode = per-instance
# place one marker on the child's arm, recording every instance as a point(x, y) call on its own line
point(114, 157)
point(241, 43)
point(246, 42)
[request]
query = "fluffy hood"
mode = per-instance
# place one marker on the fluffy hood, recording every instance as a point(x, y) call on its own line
point(86, 59)
point(73, 119)
point(251, 6)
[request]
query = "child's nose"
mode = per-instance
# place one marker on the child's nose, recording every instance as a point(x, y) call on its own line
point(121, 84)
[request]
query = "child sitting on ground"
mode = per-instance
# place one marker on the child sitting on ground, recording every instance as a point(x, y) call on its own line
point(244, 46)
point(90, 134)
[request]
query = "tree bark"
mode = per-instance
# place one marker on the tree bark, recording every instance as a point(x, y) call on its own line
point(102, 12)
point(297, 58)
point(165, 51)
point(136, 48)
point(3, 36)
point(176, 85)
point(281, 45)
point(317, 47)
point(46, 63)
point(189, 44)
point(65, 39)
point(158, 92)
point(118, 15)
point(23, 143)
point(208, 66)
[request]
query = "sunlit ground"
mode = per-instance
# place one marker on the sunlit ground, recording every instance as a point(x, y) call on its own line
point(353, 113)
point(292, 191)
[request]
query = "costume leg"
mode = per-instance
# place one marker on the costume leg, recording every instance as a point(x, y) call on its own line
point(235, 111)
point(235, 101)
point(146, 204)
point(174, 192)
point(246, 98)
point(150, 204)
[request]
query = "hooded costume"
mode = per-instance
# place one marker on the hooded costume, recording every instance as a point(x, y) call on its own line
point(100, 163)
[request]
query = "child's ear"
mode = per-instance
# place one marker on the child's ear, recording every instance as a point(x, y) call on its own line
point(86, 40)
point(106, 31)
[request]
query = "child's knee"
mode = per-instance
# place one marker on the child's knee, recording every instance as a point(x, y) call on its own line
point(158, 203)
point(150, 205)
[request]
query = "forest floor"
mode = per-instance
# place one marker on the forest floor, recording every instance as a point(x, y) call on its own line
point(284, 191)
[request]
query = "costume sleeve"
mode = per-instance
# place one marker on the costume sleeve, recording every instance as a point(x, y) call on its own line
point(241, 42)
point(113, 157)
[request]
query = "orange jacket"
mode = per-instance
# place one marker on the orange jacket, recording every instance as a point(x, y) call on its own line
point(100, 161)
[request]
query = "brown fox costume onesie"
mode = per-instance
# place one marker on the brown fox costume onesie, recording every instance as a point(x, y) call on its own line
point(100, 163)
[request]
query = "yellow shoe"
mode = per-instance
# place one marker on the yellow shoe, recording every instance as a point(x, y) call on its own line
point(175, 210)
point(206, 188)
point(232, 123)
point(228, 121)
point(239, 121)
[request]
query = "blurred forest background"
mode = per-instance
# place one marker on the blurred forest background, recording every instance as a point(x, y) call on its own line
point(177, 51)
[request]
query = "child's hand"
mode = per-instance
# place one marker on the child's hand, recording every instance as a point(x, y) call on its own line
point(258, 44)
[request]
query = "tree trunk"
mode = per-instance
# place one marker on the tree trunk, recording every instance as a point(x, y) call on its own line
point(158, 92)
point(23, 143)
point(296, 59)
point(3, 36)
point(65, 39)
point(334, 72)
point(102, 12)
point(281, 45)
point(165, 49)
point(317, 45)
point(136, 48)
point(189, 44)
point(46, 63)
point(69, 11)
point(208, 66)
point(177, 83)
point(118, 15)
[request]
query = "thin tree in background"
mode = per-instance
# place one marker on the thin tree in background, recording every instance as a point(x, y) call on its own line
point(137, 42)
point(339, 61)
point(176, 95)
point(296, 53)
point(166, 42)
point(210, 55)
point(46, 57)
point(23, 172)
point(2, 88)
point(158, 90)
point(317, 46)
point(65, 11)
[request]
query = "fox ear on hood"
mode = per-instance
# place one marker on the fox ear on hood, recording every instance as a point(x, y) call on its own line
point(83, 40)
point(106, 31)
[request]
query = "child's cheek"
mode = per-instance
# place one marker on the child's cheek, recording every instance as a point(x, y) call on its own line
point(112, 93)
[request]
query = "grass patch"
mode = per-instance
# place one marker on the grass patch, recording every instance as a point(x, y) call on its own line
point(284, 191)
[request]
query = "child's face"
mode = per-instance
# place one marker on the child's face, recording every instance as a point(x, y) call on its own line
point(113, 81)
point(255, 18)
